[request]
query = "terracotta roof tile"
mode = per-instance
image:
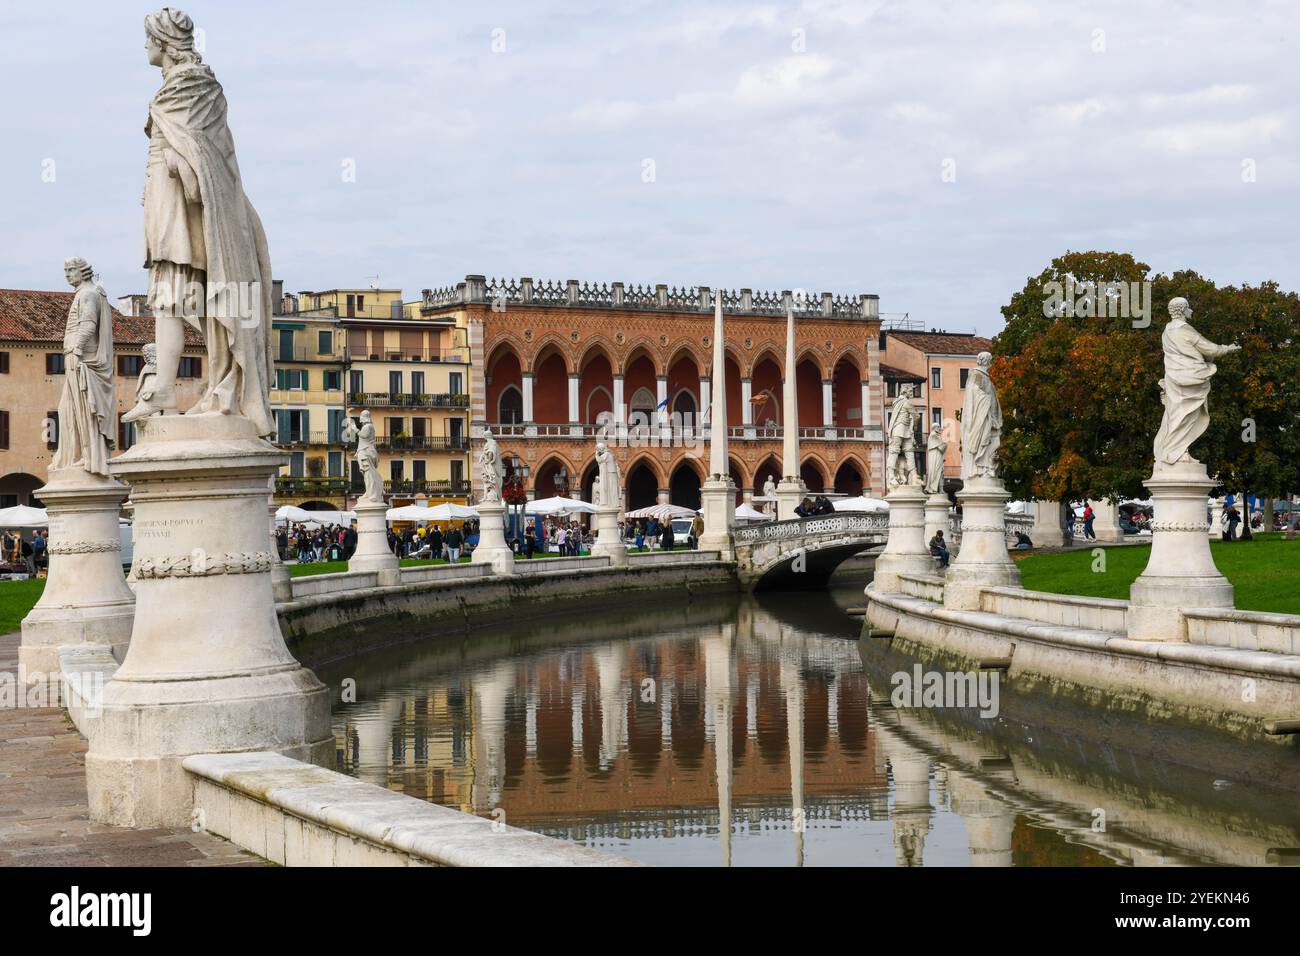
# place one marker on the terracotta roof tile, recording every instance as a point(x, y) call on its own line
point(890, 373)
point(943, 343)
point(28, 315)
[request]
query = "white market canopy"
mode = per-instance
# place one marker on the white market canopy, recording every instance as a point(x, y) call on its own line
point(22, 516)
point(861, 503)
point(295, 515)
point(748, 512)
point(559, 505)
point(662, 512)
point(448, 511)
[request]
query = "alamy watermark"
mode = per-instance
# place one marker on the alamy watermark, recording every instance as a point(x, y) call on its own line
point(1087, 299)
point(39, 689)
point(945, 689)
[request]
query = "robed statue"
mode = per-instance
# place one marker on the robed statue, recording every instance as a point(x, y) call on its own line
point(935, 450)
point(204, 246)
point(87, 409)
point(1185, 389)
point(609, 485)
point(981, 423)
point(491, 470)
point(367, 455)
point(900, 456)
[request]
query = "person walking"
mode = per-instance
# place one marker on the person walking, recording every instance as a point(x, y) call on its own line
point(39, 554)
point(530, 540)
point(1088, 518)
point(1232, 518)
point(455, 540)
point(697, 529)
point(666, 542)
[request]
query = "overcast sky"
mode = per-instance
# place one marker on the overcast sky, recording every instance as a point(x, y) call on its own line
point(796, 145)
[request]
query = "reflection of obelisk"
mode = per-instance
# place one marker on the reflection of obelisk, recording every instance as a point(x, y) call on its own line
point(718, 681)
point(989, 823)
point(374, 733)
point(912, 810)
point(792, 690)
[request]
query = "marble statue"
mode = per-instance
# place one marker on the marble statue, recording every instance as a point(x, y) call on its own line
point(1185, 389)
point(367, 455)
point(900, 458)
point(981, 423)
point(87, 408)
point(144, 385)
point(935, 450)
point(609, 484)
point(205, 249)
point(769, 492)
point(491, 470)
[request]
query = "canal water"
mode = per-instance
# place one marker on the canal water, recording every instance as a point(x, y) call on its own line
point(643, 731)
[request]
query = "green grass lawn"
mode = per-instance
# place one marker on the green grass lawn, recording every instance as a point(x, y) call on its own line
point(16, 599)
point(1265, 572)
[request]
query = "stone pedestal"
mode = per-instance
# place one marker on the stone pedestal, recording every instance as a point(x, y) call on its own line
point(608, 541)
point(1181, 572)
point(1216, 518)
point(1047, 531)
point(718, 497)
point(492, 548)
point(982, 560)
point(790, 493)
point(86, 599)
point(373, 552)
point(207, 670)
point(937, 509)
point(906, 551)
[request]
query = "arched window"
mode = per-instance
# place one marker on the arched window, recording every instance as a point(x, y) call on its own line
point(510, 407)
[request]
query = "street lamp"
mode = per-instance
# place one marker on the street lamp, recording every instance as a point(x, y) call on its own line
point(516, 482)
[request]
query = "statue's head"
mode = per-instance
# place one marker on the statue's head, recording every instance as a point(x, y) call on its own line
point(150, 353)
point(1180, 308)
point(77, 270)
point(984, 359)
point(170, 33)
point(601, 449)
point(365, 416)
point(905, 391)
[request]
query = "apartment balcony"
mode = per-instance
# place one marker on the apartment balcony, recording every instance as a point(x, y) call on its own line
point(300, 487)
point(413, 486)
point(302, 353)
point(441, 356)
point(307, 439)
point(423, 442)
point(409, 400)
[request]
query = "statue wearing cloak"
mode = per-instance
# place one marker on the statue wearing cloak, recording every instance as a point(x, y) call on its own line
point(87, 408)
point(1185, 389)
point(981, 423)
point(204, 246)
point(609, 486)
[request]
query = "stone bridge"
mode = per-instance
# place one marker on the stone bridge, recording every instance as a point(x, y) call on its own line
point(802, 553)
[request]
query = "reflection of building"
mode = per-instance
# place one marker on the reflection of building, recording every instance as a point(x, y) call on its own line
point(31, 380)
point(938, 362)
point(552, 361)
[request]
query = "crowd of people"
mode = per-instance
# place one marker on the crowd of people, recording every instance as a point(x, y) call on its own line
point(305, 545)
point(28, 554)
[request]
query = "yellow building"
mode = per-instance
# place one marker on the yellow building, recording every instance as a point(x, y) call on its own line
point(412, 375)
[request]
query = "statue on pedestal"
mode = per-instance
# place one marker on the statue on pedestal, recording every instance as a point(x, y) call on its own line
point(1185, 389)
point(981, 423)
point(87, 410)
point(367, 456)
point(935, 449)
point(204, 246)
point(900, 457)
point(609, 484)
point(769, 492)
point(491, 471)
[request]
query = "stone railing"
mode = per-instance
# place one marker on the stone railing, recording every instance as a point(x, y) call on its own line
point(840, 523)
point(571, 293)
point(1014, 523)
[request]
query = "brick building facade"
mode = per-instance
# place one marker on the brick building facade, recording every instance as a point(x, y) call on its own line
point(552, 362)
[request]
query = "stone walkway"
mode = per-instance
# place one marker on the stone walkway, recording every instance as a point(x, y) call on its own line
point(44, 818)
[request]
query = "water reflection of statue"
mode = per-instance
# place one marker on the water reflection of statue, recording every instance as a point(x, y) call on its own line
point(609, 485)
point(1185, 389)
point(981, 423)
point(367, 455)
point(204, 246)
point(900, 459)
point(935, 449)
point(87, 420)
point(491, 471)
